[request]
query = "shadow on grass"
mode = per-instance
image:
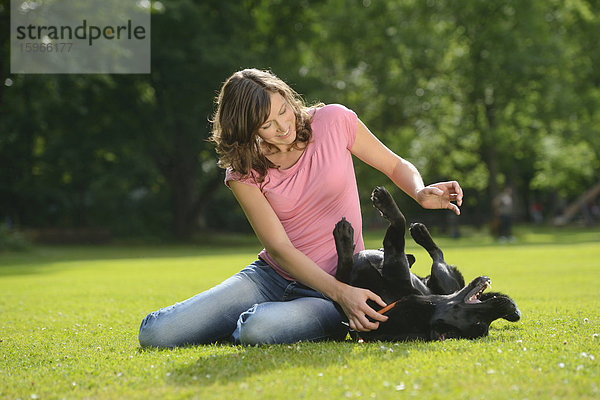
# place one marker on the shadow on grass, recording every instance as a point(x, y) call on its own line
point(223, 364)
point(229, 364)
point(42, 259)
point(523, 236)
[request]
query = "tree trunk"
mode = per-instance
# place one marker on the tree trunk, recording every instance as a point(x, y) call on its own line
point(188, 193)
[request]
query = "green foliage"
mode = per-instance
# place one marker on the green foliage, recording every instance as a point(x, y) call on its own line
point(70, 318)
point(12, 240)
point(557, 164)
point(487, 93)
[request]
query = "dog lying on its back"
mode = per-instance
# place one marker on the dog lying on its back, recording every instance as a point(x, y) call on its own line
point(436, 307)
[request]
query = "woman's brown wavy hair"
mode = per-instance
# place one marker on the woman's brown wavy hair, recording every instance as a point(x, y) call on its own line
point(243, 105)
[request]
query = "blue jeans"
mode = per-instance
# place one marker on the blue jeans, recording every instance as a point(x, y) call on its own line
point(255, 306)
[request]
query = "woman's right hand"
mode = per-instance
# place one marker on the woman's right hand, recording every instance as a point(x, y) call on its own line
point(353, 301)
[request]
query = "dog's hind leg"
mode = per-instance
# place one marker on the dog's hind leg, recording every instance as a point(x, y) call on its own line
point(343, 234)
point(396, 266)
point(421, 235)
point(444, 279)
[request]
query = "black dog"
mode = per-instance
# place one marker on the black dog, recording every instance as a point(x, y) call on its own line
point(437, 307)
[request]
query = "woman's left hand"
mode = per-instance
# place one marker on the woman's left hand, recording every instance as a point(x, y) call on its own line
point(441, 195)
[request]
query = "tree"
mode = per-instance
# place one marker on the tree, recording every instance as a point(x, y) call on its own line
point(488, 93)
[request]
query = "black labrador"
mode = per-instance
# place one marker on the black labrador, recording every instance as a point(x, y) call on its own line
point(436, 307)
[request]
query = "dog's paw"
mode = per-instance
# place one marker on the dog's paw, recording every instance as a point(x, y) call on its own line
point(343, 233)
point(384, 202)
point(381, 199)
point(421, 235)
point(343, 230)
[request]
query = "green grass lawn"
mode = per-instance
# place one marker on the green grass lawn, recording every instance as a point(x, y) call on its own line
point(70, 317)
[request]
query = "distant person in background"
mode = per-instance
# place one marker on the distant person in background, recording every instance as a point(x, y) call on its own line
point(537, 212)
point(504, 208)
point(595, 210)
point(453, 226)
point(290, 167)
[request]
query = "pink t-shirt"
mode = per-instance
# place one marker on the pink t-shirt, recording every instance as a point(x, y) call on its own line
point(315, 193)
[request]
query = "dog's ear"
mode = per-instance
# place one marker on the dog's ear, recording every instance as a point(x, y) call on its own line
point(411, 260)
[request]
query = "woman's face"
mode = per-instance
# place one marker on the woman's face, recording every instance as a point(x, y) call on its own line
point(280, 127)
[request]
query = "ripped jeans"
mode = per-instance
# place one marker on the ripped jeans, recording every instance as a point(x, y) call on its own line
point(255, 306)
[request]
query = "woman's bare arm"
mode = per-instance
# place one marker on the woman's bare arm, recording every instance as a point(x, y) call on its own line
point(438, 195)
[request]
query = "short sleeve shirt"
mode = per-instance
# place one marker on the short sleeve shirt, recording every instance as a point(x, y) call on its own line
point(310, 197)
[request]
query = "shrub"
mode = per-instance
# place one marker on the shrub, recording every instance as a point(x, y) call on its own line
point(11, 239)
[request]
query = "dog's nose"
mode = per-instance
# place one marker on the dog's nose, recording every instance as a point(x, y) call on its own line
point(513, 317)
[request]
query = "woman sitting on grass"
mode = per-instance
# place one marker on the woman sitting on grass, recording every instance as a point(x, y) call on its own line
point(290, 168)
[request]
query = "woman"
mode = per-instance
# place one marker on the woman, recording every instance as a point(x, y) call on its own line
point(290, 168)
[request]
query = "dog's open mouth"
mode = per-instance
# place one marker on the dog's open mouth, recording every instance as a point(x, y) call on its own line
point(473, 296)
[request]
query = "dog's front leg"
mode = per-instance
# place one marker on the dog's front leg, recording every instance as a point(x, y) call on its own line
point(396, 267)
point(343, 234)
